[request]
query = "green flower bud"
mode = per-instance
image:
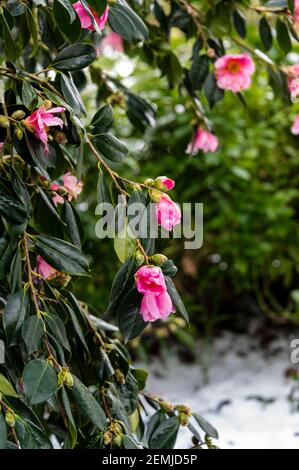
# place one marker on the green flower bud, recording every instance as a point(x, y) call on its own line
point(117, 440)
point(158, 259)
point(107, 437)
point(166, 406)
point(19, 134)
point(155, 194)
point(149, 182)
point(69, 379)
point(119, 376)
point(18, 114)
point(4, 122)
point(139, 257)
point(48, 104)
point(10, 418)
point(184, 419)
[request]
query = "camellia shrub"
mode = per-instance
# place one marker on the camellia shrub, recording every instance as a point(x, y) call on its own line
point(66, 375)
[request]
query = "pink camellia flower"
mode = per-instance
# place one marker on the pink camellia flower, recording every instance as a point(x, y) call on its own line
point(153, 307)
point(40, 121)
point(45, 270)
point(295, 126)
point(202, 140)
point(85, 19)
point(113, 40)
point(168, 212)
point(233, 72)
point(150, 280)
point(293, 79)
point(71, 184)
point(164, 183)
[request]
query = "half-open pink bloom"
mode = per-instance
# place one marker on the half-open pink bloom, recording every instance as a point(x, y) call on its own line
point(85, 19)
point(233, 72)
point(150, 280)
point(168, 212)
point(71, 184)
point(295, 126)
point(293, 79)
point(202, 140)
point(164, 183)
point(45, 270)
point(113, 40)
point(40, 121)
point(154, 307)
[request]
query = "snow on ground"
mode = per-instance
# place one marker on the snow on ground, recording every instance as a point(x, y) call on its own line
point(245, 397)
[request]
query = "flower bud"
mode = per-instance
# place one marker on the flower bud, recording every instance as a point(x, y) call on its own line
point(149, 182)
point(18, 114)
point(48, 104)
point(139, 257)
point(184, 419)
point(166, 406)
point(4, 122)
point(184, 409)
point(10, 418)
point(119, 376)
point(155, 194)
point(158, 259)
point(107, 437)
point(117, 440)
point(69, 379)
point(60, 137)
point(19, 134)
point(162, 332)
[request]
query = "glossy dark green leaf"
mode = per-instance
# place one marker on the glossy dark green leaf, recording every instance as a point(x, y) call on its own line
point(56, 326)
point(265, 33)
point(212, 92)
point(103, 119)
point(206, 426)
point(104, 368)
point(130, 443)
point(75, 57)
point(7, 252)
point(71, 94)
point(6, 388)
point(3, 432)
point(73, 227)
point(88, 405)
point(29, 95)
point(283, 37)
point(14, 314)
point(130, 321)
point(103, 191)
point(165, 435)
point(176, 298)
point(39, 380)
point(6, 22)
point(66, 20)
point(125, 22)
point(62, 255)
point(110, 147)
point(32, 333)
point(15, 278)
point(239, 23)
point(122, 283)
point(71, 422)
point(169, 268)
point(30, 436)
point(141, 376)
point(99, 6)
point(199, 71)
point(33, 31)
point(128, 394)
point(11, 207)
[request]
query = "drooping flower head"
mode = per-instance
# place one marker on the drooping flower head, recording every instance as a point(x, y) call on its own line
point(150, 280)
point(40, 121)
point(155, 307)
point(45, 270)
point(202, 140)
point(168, 212)
point(293, 79)
point(164, 184)
point(72, 186)
point(295, 126)
point(86, 20)
point(233, 72)
point(113, 40)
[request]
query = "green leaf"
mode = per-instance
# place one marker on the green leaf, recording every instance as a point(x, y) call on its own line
point(165, 435)
point(71, 422)
point(30, 436)
point(110, 147)
point(239, 23)
point(141, 376)
point(212, 92)
point(34, 33)
point(29, 95)
point(124, 243)
point(66, 20)
point(206, 426)
point(40, 381)
point(103, 119)
point(6, 388)
point(3, 432)
point(129, 443)
point(77, 326)
point(75, 57)
point(103, 188)
point(129, 318)
point(11, 208)
point(14, 314)
point(265, 33)
point(15, 278)
point(62, 255)
point(88, 404)
point(71, 94)
point(32, 333)
point(169, 268)
point(199, 71)
point(99, 6)
point(9, 43)
point(73, 226)
point(57, 328)
point(125, 22)
point(122, 283)
point(283, 36)
point(176, 298)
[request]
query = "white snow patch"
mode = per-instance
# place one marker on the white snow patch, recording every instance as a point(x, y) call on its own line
point(245, 397)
